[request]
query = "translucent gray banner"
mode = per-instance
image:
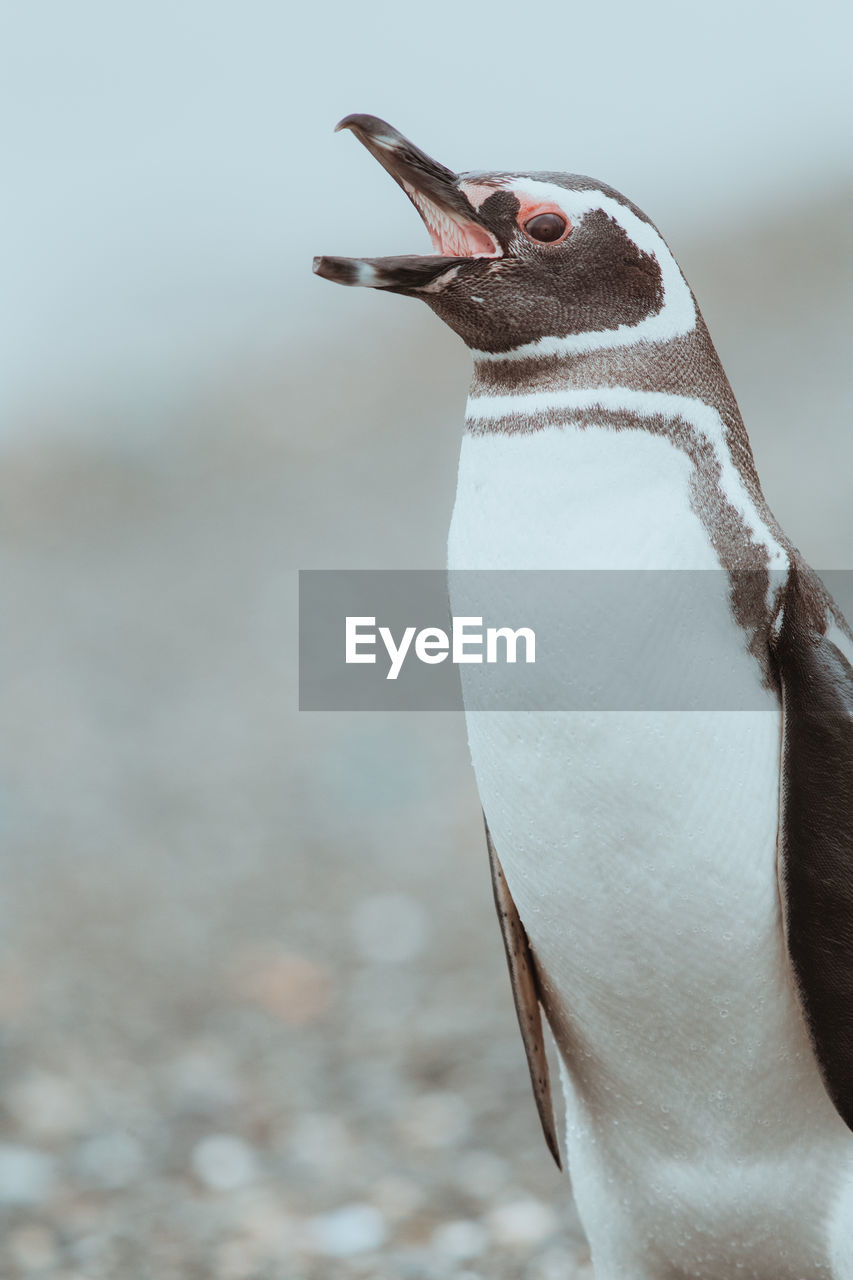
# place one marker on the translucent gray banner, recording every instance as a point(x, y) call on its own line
point(422, 640)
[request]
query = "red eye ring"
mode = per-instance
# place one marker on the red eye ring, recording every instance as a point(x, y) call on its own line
point(547, 227)
point(531, 209)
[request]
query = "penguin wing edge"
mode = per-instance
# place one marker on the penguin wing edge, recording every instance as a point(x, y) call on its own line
point(816, 833)
point(525, 991)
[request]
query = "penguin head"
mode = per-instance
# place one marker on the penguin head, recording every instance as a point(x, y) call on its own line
point(523, 264)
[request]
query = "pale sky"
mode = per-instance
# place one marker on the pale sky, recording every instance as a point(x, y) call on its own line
point(170, 169)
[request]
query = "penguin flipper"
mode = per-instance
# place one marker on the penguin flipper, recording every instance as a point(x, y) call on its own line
point(816, 828)
point(525, 991)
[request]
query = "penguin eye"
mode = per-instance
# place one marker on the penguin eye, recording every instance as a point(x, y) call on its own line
point(546, 227)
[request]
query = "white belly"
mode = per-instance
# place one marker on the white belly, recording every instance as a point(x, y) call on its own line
point(640, 849)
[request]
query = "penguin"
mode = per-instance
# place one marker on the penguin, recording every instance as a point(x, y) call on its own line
point(674, 887)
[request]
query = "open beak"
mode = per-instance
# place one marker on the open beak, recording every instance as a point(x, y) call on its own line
point(455, 228)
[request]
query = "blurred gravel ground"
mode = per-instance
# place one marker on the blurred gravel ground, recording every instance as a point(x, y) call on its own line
point(255, 1017)
point(254, 1012)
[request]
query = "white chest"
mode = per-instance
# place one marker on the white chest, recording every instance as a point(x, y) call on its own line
point(640, 848)
point(614, 827)
point(571, 498)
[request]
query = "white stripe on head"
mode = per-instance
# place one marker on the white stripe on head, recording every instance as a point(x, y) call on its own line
point(677, 316)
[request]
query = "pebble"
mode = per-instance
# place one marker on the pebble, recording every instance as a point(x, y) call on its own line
point(223, 1162)
point(481, 1173)
point(109, 1160)
point(390, 928)
point(352, 1229)
point(46, 1105)
point(523, 1222)
point(320, 1141)
point(33, 1247)
point(262, 1221)
point(437, 1120)
point(90, 1251)
point(558, 1263)
point(236, 1260)
point(201, 1081)
point(460, 1240)
point(26, 1176)
point(289, 986)
point(397, 1196)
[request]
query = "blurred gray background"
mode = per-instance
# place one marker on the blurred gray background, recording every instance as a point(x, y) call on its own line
point(254, 1017)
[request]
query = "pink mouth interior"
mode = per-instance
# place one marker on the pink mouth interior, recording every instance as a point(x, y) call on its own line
point(452, 237)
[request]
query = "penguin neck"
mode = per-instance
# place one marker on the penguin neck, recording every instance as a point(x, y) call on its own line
point(674, 391)
point(687, 369)
point(684, 366)
point(677, 387)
